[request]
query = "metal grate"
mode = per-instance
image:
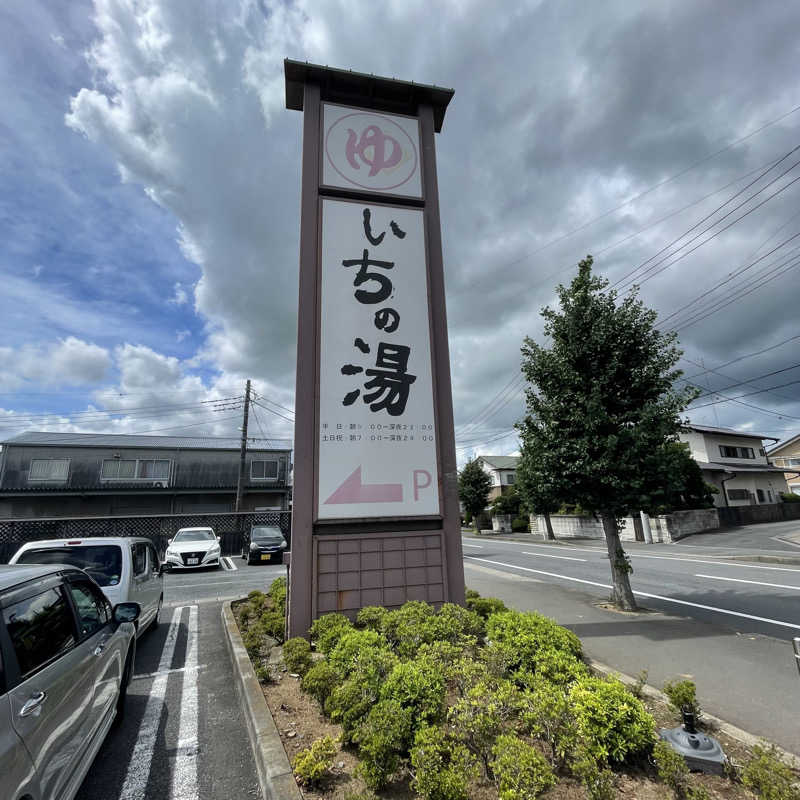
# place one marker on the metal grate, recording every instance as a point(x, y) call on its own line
point(232, 528)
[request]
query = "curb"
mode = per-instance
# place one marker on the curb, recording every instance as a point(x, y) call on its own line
point(764, 559)
point(718, 724)
point(272, 764)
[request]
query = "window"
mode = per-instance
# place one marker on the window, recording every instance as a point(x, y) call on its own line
point(264, 470)
point(143, 469)
point(153, 557)
point(49, 469)
point(793, 462)
point(760, 493)
point(510, 478)
point(727, 451)
point(91, 607)
point(103, 562)
point(738, 494)
point(41, 628)
point(139, 555)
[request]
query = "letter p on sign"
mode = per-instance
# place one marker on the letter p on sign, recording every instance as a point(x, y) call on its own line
point(419, 476)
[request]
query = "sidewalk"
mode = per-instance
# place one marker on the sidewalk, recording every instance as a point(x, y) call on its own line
point(749, 680)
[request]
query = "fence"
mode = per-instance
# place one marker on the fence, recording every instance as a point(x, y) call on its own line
point(768, 512)
point(233, 529)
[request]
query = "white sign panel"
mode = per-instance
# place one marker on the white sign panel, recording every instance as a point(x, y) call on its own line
point(371, 151)
point(377, 437)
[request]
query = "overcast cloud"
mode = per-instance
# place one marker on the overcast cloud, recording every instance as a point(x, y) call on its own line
point(150, 196)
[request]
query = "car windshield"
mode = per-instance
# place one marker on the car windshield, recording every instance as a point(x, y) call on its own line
point(267, 533)
point(102, 561)
point(194, 536)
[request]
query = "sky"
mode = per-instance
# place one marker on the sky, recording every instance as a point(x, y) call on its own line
point(150, 192)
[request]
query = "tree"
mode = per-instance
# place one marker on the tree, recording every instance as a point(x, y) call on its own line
point(474, 484)
point(507, 503)
point(602, 410)
point(535, 489)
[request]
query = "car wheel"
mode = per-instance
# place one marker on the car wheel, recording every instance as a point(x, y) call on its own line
point(127, 673)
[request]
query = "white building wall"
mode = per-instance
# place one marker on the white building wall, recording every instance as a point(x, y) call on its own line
point(697, 445)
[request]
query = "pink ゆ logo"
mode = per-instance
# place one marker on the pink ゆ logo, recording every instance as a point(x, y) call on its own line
point(371, 151)
point(377, 150)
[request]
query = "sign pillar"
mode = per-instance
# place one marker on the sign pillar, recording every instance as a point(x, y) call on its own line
point(375, 505)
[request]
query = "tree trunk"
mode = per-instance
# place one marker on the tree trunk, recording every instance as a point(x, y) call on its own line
point(548, 526)
point(621, 592)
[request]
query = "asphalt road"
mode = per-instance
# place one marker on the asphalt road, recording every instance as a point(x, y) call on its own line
point(183, 735)
point(725, 624)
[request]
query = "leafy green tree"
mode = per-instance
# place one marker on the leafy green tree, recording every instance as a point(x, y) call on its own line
point(536, 490)
point(602, 408)
point(507, 503)
point(473, 488)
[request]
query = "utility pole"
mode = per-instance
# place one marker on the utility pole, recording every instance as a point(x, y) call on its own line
point(243, 448)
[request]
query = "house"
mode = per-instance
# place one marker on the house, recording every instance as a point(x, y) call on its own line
point(787, 455)
point(503, 472)
point(79, 474)
point(737, 464)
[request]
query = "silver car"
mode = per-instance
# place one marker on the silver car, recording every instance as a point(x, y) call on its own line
point(66, 658)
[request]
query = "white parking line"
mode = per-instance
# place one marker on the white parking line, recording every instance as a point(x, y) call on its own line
point(231, 563)
point(600, 550)
point(755, 583)
point(479, 546)
point(184, 766)
point(645, 594)
point(548, 555)
point(138, 773)
point(715, 563)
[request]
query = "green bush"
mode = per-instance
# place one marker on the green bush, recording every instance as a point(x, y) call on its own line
point(466, 673)
point(277, 592)
point(312, 765)
point(766, 774)
point(353, 646)
point(406, 628)
point(521, 524)
point(326, 630)
point(471, 594)
point(554, 666)
point(418, 686)
point(452, 623)
point(546, 713)
point(442, 767)
point(320, 681)
point(790, 497)
point(499, 658)
point(486, 606)
point(382, 739)
point(680, 694)
point(520, 771)
point(371, 617)
point(480, 717)
point(671, 767)
point(612, 723)
point(297, 655)
point(530, 633)
point(597, 779)
point(274, 625)
point(445, 655)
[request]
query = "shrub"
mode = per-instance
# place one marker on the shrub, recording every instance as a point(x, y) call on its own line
point(671, 767)
point(442, 768)
point(405, 628)
point(547, 715)
point(277, 593)
point(520, 524)
point(297, 655)
point(530, 633)
point(790, 497)
point(418, 686)
point(313, 764)
point(467, 673)
point(352, 646)
point(263, 673)
point(519, 769)
point(445, 655)
point(768, 776)
point(320, 681)
point(486, 606)
point(471, 594)
point(371, 617)
point(499, 658)
point(326, 630)
point(481, 716)
point(554, 666)
point(382, 739)
point(612, 723)
point(452, 623)
point(680, 694)
point(273, 624)
point(597, 779)
point(637, 689)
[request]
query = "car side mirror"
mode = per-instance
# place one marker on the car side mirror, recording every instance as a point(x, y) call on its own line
point(169, 541)
point(219, 538)
point(126, 612)
point(163, 568)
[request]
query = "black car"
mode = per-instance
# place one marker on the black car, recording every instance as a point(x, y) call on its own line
point(266, 545)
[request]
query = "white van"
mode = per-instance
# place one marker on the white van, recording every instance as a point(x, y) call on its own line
point(126, 568)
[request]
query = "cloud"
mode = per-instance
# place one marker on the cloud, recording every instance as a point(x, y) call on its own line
point(180, 297)
point(181, 335)
point(68, 362)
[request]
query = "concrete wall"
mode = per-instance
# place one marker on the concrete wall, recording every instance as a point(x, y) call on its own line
point(770, 483)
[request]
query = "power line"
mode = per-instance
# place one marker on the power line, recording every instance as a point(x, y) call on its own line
point(748, 394)
point(272, 411)
point(750, 380)
point(740, 358)
point(273, 403)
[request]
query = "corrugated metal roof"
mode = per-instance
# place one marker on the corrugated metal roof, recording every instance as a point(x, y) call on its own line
point(138, 440)
point(501, 462)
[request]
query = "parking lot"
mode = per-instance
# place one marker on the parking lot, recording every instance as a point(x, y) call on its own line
point(182, 737)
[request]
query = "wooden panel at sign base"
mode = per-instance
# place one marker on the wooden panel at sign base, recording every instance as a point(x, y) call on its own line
point(378, 569)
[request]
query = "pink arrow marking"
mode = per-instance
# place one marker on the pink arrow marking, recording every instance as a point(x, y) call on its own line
point(354, 491)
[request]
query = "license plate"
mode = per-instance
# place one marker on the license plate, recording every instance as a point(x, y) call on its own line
point(266, 557)
point(192, 561)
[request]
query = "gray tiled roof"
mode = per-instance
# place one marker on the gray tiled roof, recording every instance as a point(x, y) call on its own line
point(729, 432)
point(500, 462)
point(138, 440)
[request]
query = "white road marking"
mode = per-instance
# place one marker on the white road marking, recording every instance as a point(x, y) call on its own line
point(755, 583)
point(184, 762)
point(176, 671)
point(645, 594)
point(479, 546)
point(231, 563)
point(234, 579)
point(224, 565)
point(785, 541)
point(600, 550)
point(547, 555)
point(715, 563)
point(138, 774)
